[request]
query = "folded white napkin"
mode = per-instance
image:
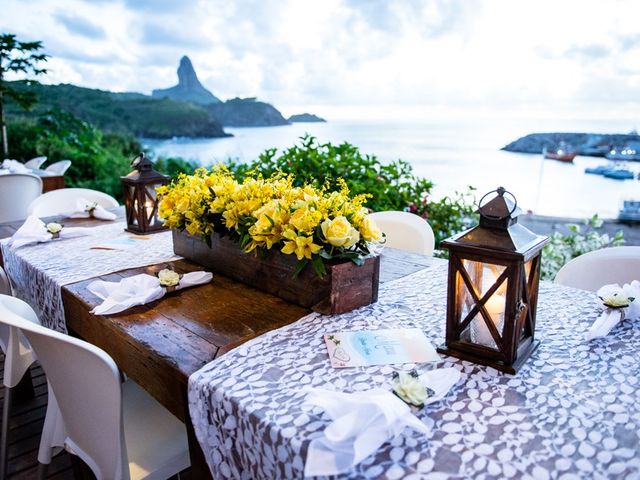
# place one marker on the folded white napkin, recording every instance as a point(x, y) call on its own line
point(15, 166)
point(4, 171)
point(363, 421)
point(137, 290)
point(610, 317)
point(87, 209)
point(34, 230)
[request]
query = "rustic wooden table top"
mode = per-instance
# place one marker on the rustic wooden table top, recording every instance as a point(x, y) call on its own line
point(160, 344)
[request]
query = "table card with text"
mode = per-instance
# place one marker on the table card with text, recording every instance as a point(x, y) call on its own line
point(379, 347)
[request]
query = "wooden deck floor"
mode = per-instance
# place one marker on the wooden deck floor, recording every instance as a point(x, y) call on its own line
point(25, 427)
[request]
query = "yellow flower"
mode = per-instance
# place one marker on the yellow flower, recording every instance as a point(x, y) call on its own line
point(305, 220)
point(339, 232)
point(302, 246)
point(369, 230)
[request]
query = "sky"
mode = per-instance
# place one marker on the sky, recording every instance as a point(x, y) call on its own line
point(353, 58)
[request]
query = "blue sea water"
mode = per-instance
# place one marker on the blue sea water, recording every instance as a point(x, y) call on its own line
point(452, 154)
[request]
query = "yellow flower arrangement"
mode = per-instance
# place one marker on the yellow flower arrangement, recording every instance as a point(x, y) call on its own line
point(311, 223)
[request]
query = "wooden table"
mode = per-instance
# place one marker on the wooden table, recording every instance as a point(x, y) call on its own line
point(161, 344)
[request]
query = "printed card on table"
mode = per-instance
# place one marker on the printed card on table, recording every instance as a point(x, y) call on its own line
point(379, 347)
point(122, 243)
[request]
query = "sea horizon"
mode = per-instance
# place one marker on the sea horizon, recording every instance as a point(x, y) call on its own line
point(452, 153)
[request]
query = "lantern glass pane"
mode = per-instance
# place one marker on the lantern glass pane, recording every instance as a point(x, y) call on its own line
point(151, 201)
point(133, 199)
point(483, 276)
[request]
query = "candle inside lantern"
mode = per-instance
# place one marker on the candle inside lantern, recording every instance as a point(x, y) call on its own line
point(495, 308)
point(148, 205)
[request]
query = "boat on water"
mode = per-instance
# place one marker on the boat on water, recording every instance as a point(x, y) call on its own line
point(630, 152)
point(611, 171)
point(630, 211)
point(562, 153)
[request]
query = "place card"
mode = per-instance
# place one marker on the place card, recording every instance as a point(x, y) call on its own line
point(379, 347)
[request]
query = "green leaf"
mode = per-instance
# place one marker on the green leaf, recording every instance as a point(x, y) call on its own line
point(299, 267)
point(318, 266)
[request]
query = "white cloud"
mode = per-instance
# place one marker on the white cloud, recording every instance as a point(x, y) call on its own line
point(341, 54)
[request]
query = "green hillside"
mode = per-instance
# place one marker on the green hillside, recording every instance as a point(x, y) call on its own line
point(127, 113)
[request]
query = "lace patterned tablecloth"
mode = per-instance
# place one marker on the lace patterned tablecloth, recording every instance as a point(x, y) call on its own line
point(37, 272)
point(573, 410)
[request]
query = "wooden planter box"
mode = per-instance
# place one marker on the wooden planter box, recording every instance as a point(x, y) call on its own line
point(346, 286)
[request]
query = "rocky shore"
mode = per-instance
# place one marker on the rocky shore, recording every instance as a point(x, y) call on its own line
point(593, 144)
point(544, 225)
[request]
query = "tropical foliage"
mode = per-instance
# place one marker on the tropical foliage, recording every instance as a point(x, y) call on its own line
point(314, 224)
point(21, 58)
point(581, 239)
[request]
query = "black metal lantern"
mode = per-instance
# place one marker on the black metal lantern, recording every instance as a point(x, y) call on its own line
point(494, 272)
point(140, 197)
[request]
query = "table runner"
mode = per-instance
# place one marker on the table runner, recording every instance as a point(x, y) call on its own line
point(38, 272)
point(573, 410)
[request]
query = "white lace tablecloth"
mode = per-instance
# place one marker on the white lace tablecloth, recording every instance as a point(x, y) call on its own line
point(38, 272)
point(573, 410)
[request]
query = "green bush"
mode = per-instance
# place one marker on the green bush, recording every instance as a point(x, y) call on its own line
point(562, 248)
point(392, 186)
point(98, 159)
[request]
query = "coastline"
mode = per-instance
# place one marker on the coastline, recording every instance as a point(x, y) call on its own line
point(546, 225)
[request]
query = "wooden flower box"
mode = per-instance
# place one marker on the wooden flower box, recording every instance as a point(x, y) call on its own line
point(346, 286)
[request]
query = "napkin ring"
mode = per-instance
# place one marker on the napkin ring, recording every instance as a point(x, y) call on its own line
point(55, 235)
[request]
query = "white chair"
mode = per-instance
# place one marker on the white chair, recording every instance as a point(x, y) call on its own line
point(117, 429)
point(406, 231)
point(601, 267)
point(17, 191)
point(18, 358)
point(58, 168)
point(64, 200)
point(35, 163)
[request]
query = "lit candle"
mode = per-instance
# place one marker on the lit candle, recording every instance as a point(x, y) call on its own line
point(149, 208)
point(495, 308)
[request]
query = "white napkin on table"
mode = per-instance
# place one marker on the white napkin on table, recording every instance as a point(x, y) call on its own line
point(610, 317)
point(363, 421)
point(34, 230)
point(137, 290)
point(82, 211)
point(15, 166)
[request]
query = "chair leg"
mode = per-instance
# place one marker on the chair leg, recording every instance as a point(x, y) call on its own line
point(4, 438)
point(42, 471)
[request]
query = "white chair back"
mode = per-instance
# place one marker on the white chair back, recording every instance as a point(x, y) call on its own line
point(35, 163)
point(601, 267)
point(58, 168)
point(17, 191)
point(61, 201)
point(118, 430)
point(18, 354)
point(406, 231)
point(86, 384)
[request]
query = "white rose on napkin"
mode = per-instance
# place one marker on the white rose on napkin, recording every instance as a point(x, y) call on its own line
point(87, 209)
point(138, 290)
point(33, 230)
point(620, 303)
point(363, 421)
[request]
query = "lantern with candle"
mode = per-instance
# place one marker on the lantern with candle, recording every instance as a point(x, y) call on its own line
point(140, 197)
point(494, 272)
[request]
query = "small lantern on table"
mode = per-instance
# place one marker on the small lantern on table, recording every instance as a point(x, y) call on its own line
point(494, 273)
point(140, 197)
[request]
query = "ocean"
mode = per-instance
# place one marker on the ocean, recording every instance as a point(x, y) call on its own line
point(452, 154)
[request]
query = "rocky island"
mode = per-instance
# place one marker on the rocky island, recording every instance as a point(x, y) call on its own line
point(305, 118)
point(594, 144)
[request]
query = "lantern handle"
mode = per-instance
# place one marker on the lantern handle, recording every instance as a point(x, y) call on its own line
point(500, 191)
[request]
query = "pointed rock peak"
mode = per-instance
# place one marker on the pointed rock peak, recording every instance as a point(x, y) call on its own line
point(186, 73)
point(189, 88)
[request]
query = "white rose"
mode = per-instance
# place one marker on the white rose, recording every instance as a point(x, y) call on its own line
point(410, 389)
point(168, 278)
point(54, 228)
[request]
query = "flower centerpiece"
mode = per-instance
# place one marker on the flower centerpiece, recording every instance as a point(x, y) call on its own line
point(309, 225)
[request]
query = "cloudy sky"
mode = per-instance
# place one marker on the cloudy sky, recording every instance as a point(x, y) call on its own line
point(352, 57)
